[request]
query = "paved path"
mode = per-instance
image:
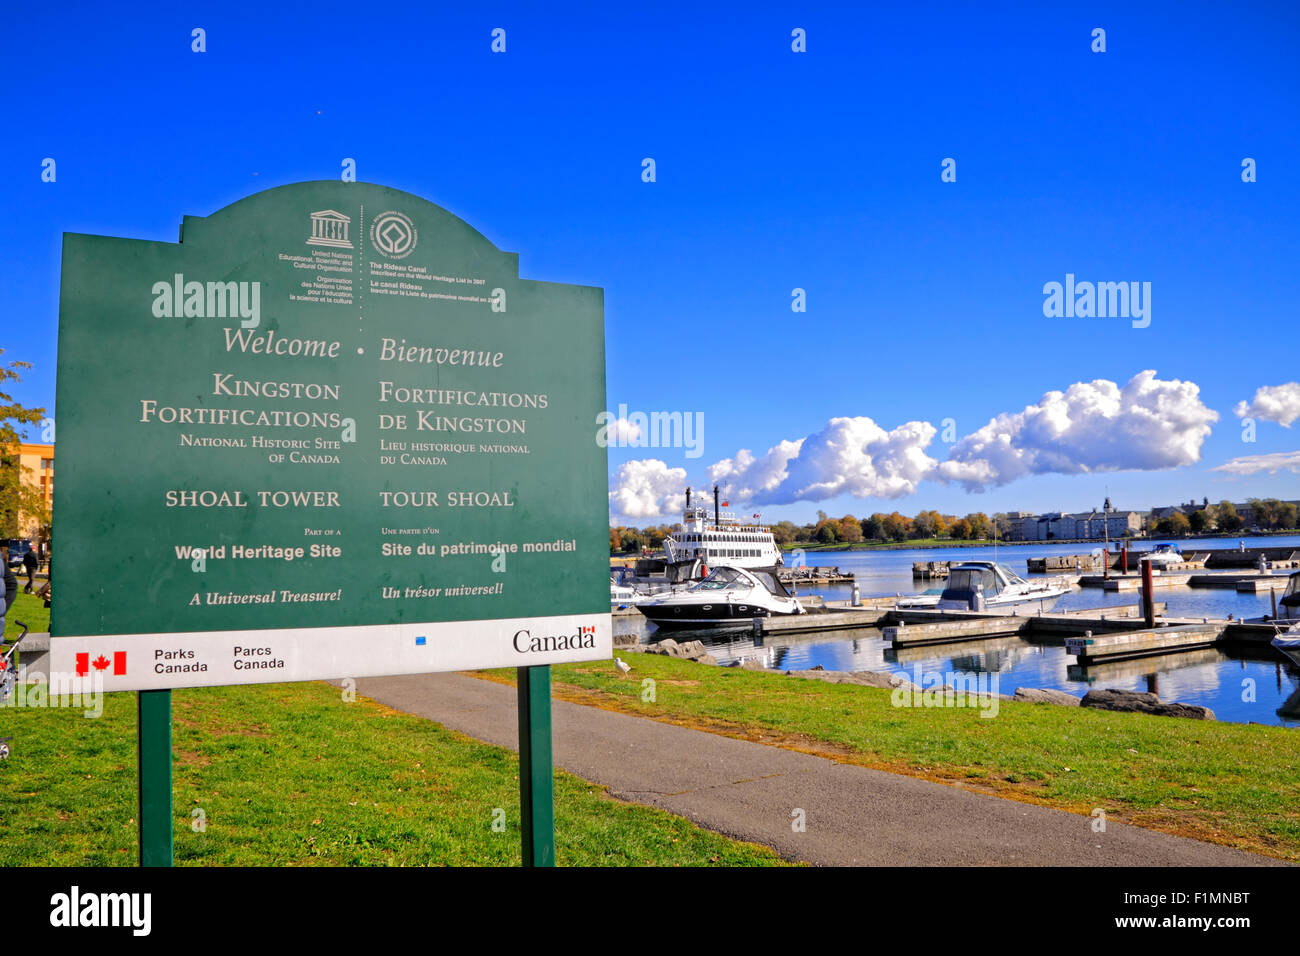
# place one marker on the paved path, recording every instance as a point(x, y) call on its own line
point(749, 791)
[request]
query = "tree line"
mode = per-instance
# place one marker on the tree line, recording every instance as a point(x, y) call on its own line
point(849, 529)
point(1270, 514)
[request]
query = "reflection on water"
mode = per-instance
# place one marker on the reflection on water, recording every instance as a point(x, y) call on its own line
point(1251, 684)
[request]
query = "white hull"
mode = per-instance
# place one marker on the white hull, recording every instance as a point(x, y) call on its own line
point(729, 597)
point(983, 585)
point(1289, 644)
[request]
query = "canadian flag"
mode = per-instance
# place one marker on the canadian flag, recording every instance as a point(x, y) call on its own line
point(726, 504)
point(587, 630)
point(102, 663)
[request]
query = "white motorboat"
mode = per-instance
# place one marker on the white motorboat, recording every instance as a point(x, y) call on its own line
point(927, 598)
point(728, 597)
point(1291, 596)
point(1162, 556)
point(621, 595)
point(983, 585)
point(624, 591)
point(1288, 642)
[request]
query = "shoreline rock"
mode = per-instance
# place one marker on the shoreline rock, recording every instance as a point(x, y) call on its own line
point(1044, 695)
point(1121, 701)
point(1132, 701)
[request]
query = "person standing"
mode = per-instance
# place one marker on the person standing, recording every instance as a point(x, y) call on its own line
point(10, 587)
point(30, 563)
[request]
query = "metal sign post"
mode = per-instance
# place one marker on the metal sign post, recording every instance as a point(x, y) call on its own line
point(154, 730)
point(536, 774)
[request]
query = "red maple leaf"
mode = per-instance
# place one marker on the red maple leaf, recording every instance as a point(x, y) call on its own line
point(101, 662)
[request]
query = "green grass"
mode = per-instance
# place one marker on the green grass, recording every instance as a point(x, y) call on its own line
point(29, 609)
point(1233, 784)
point(289, 774)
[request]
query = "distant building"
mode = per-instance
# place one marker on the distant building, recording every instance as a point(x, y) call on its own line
point(1245, 511)
point(1015, 525)
point(36, 464)
point(1087, 526)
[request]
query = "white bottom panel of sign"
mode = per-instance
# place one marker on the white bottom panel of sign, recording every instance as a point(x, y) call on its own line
point(210, 658)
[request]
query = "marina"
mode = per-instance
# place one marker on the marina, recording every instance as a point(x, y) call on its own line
point(1201, 649)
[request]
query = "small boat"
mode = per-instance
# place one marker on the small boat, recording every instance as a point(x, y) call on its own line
point(1163, 555)
point(728, 597)
point(625, 590)
point(981, 585)
point(1291, 596)
point(1288, 641)
point(622, 595)
point(927, 598)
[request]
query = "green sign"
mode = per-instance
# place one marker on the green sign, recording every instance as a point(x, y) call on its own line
point(331, 433)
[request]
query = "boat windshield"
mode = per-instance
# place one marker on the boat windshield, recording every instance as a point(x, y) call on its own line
point(771, 582)
point(1011, 576)
point(966, 579)
point(723, 579)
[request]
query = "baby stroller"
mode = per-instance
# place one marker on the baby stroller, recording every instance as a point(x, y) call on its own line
point(9, 678)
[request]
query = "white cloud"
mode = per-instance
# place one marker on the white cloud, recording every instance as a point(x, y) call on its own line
point(620, 431)
point(848, 456)
point(647, 488)
point(753, 479)
point(1273, 403)
point(1253, 464)
point(1147, 425)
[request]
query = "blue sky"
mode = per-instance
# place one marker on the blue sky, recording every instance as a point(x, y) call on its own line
point(775, 170)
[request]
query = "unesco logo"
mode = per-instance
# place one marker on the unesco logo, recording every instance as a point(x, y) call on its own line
point(393, 235)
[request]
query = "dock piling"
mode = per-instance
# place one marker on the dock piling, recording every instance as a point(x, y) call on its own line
point(1148, 595)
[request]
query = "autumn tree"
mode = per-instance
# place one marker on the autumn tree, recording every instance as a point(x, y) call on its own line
point(1176, 523)
point(929, 524)
point(850, 529)
point(1229, 520)
point(897, 527)
point(785, 532)
point(20, 500)
point(873, 528)
point(979, 525)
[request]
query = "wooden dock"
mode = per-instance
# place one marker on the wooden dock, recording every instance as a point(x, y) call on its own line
point(1251, 582)
point(1147, 642)
point(809, 576)
point(1093, 637)
point(930, 570)
point(1064, 564)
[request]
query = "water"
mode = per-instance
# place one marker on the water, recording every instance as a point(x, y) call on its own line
point(1221, 680)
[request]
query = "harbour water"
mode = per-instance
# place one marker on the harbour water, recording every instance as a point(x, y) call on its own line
point(1259, 686)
